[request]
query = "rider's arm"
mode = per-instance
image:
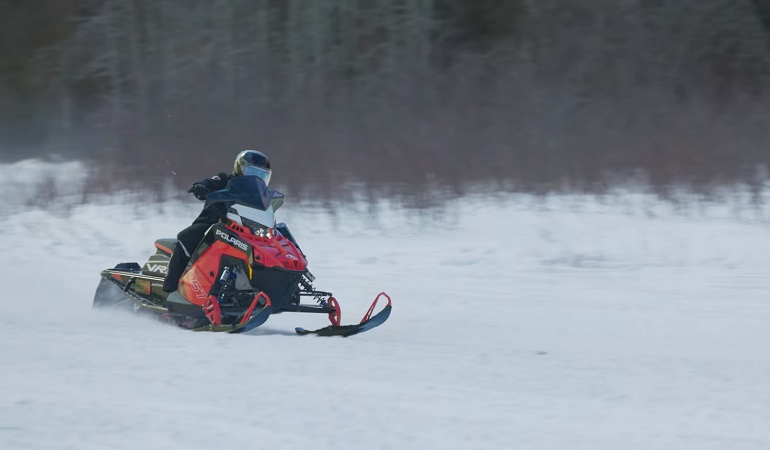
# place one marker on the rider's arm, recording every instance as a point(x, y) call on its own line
point(217, 182)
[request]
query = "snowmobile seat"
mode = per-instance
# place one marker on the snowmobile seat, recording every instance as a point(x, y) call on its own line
point(166, 245)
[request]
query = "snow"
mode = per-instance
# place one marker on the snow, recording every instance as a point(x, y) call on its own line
point(615, 322)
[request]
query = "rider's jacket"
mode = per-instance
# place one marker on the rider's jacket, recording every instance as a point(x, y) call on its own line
point(212, 212)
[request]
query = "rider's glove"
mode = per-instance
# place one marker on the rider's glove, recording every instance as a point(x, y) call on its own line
point(199, 191)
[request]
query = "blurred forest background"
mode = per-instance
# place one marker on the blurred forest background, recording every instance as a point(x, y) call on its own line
point(530, 94)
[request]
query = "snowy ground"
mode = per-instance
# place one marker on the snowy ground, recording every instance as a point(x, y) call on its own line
point(518, 323)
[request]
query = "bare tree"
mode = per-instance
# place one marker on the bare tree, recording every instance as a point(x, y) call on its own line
point(547, 92)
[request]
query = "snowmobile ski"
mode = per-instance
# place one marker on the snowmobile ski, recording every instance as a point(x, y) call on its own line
point(367, 323)
point(248, 322)
point(256, 320)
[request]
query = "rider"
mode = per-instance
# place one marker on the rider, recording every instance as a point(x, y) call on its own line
point(248, 162)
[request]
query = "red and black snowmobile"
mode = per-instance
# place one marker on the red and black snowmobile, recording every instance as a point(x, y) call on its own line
point(246, 267)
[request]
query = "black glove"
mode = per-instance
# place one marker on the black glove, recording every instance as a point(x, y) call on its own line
point(199, 191)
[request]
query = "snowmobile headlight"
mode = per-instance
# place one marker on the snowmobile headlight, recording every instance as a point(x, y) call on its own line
point(257, 228)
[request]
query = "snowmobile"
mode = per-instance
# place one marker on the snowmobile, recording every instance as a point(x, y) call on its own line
point(246, 268)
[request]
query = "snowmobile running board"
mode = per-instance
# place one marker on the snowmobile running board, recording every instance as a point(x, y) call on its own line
point(367, 323)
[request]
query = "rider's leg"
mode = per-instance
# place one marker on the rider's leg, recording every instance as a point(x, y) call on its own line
point(188, 240)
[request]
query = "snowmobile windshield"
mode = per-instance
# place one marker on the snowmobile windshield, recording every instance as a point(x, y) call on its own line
point(251, 191)
point(260, 172)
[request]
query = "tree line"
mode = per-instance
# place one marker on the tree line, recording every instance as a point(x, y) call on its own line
point(535, 94)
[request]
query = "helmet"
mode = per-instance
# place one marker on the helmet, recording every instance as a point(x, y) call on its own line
point(252, 162)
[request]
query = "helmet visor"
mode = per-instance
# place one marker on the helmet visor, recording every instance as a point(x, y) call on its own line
point(261, 172)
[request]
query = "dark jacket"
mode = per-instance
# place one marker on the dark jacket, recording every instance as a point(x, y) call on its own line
point(212, 212)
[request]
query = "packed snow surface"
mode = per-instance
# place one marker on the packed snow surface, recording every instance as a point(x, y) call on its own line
point(564, 322)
